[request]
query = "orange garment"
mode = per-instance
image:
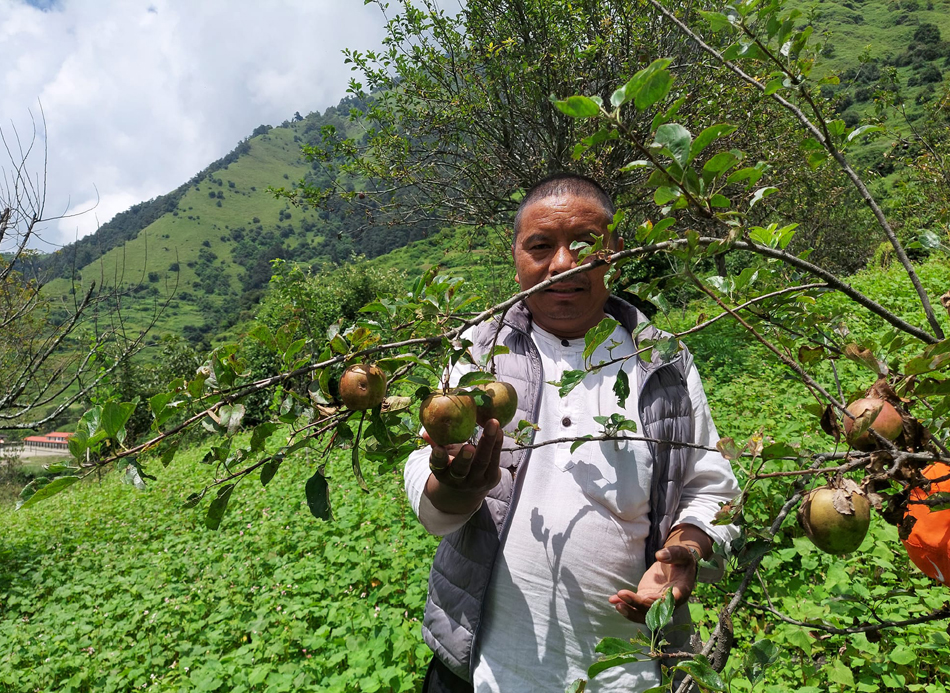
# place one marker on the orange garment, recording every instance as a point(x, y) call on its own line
point(929, 542)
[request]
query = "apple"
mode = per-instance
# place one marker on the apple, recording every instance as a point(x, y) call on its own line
point(502, 404)
point(888, 423)
point(362, 387)
point(829, 529)
point(448, 418)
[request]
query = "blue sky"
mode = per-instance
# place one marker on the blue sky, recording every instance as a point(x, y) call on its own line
point(138, 96)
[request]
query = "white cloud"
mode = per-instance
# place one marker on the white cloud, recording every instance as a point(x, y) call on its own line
point(141, 95)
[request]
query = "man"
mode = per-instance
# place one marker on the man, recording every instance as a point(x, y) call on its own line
point(541, 560)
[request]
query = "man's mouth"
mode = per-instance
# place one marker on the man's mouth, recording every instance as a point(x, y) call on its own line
point(559, 289)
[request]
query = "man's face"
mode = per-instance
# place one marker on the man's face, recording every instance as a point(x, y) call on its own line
point(542, 250)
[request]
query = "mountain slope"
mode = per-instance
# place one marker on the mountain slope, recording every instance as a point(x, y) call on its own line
point(211, 241)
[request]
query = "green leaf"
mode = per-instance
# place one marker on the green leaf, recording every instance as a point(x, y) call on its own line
point(634, 165)
point(761, 655)
point(193, 499)
point(168, 454)
point(655, 90)
point(622, 388)
point(720, 163)
point(115, 415)
point(864, 130)
point(580, 441)
point(610, 662)
point(667, 115)
point(578, 686)
point(77, 444)
point(476, 378)
point(701, 671)
point(841, 674)
point(750, 174)
point(675, 139)
point(263, 334)
point(578, 107)
point(918, 365)
point(761, 194)
point(568, 382)
point(809, 355)
point(157, 403)
point(260, 435)
point(773, 86)
point(60, 483)
point(218, 506)
point(720, 201)
point(775, 450)
point(902, 655)
point(355, 462)
point(269, 469)
point(816, 159)
point(716, 20)
point(597, 335)
point(614, 646)
point(258, 675)
point(708, 136)
point(339, 345)
point(636, 83)
point(318, 496)
point(664, 194)
point(661, 611)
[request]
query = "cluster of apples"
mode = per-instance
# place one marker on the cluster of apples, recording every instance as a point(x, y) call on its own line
point(448, 418)
point(836, 517)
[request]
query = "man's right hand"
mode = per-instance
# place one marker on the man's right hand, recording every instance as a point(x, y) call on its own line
point(462, 475)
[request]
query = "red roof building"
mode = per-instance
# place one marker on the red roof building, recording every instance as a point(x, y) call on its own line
point(56, 440)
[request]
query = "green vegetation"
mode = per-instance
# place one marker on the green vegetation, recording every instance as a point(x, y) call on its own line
point(96, 597)
point(105, 587)
point(109, 589)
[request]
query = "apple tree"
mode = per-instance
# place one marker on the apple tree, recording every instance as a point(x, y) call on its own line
point(712, 229)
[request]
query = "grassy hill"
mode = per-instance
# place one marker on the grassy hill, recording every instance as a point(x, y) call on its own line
point(208, 245)
point(884, 46)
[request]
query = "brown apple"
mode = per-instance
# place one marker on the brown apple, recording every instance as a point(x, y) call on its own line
point(829, 529)
point(448, 419)
point(502, 404)
point(887, 423)
point(362, 387)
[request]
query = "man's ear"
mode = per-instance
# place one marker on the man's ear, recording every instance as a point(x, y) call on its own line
point(514, 263)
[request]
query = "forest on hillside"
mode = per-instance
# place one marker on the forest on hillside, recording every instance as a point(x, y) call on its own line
point(227, 518)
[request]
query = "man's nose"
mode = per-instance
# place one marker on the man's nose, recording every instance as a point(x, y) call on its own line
point(564, 259)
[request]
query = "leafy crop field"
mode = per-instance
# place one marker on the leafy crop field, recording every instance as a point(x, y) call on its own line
point(113, 589)
point(105, 588)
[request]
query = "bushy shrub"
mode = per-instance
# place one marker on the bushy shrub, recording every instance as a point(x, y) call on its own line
point(309, 301)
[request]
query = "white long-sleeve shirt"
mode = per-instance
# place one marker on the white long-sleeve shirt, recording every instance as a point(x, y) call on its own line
point(578, 533)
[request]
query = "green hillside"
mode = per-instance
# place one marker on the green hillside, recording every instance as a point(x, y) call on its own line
point(888, 49)
point(211, 243)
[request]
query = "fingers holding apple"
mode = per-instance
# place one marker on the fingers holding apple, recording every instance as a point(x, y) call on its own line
point(466, 466)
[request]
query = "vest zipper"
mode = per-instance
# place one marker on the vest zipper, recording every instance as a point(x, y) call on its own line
point(509, 511)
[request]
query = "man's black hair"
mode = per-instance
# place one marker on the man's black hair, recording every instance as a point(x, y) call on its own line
point(565, 183)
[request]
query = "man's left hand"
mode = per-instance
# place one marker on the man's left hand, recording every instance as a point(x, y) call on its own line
point(675, 569)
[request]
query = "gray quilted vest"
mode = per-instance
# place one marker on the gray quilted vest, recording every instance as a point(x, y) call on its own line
point(464, 559)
